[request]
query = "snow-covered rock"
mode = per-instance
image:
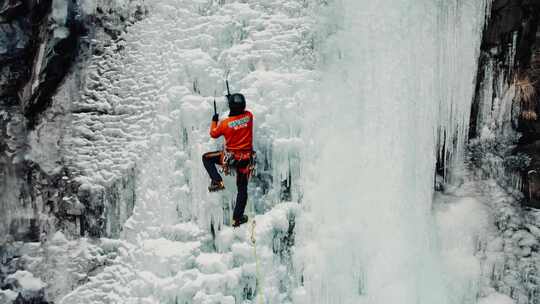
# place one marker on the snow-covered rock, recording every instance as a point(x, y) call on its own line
point(48, 45)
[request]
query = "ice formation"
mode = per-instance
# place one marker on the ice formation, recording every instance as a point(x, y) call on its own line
point(354, 102)
point(394, 90)
point(148, 101)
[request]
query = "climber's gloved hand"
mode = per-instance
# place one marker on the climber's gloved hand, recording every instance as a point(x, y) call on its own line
point(215, 117)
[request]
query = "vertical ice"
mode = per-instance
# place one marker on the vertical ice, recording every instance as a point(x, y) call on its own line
point(399, 75)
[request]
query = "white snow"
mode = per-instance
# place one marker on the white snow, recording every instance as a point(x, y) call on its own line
point(463, 223)
point(8, 296)
point(26, 281)
point(58, 238)
point(496, 298)
point(165, 257)
point(88, 6)
point(61, 32)
point(59, 11)
point(213, 262)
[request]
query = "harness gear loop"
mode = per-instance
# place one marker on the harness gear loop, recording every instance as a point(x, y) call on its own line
point(227, 162)
point(252, 166)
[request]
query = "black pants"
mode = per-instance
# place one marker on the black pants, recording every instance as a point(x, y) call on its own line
point(210, 160)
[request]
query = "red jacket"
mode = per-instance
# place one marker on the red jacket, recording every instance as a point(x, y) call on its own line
point(238, 132)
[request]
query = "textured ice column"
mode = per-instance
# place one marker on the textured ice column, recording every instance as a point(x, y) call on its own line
point(391, 82)
point(459, 25)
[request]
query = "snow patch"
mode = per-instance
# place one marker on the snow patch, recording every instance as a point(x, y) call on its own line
point(88, 6)
point(496, 298)
point(59, 11)
point(25, 281)
point(463, 223)
point(8, 296)
point(212, 262)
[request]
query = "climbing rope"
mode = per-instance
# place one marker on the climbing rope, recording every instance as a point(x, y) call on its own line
point(257, 263)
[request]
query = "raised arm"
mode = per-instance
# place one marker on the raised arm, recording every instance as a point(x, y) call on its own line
point(215, 128)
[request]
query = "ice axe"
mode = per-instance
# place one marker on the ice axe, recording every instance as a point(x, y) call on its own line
point(215, 108)
point(228, 91)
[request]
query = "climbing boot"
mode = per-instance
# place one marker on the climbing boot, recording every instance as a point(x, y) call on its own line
point(238, 222)
point(216, 186)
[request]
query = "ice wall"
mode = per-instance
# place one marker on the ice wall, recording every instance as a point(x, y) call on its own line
point(399, 75)
point(179, 55)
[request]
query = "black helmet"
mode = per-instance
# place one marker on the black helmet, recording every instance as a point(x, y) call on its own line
point(237, 103)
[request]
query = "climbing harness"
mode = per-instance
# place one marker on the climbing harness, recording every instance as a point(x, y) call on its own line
point(257, 263)
point(231, 161)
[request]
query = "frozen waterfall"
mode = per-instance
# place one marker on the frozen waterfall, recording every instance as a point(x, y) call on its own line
point(354, 102)
point(397, 87)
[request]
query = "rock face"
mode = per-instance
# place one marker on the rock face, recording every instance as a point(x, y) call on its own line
point(504, 145)
point(505, 108)
point(20, 33)
point(45, 47)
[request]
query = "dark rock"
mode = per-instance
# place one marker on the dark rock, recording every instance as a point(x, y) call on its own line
point(509, 20)
point(509, 44)
point(36, 64)
point(532, 189)
point(33, 300)
point(510, 153)
point(107, 208)
point(19, 40)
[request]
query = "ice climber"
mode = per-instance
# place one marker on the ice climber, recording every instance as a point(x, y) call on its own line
point(237, 155)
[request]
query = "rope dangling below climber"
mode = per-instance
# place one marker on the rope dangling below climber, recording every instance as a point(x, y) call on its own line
point(257, 263)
